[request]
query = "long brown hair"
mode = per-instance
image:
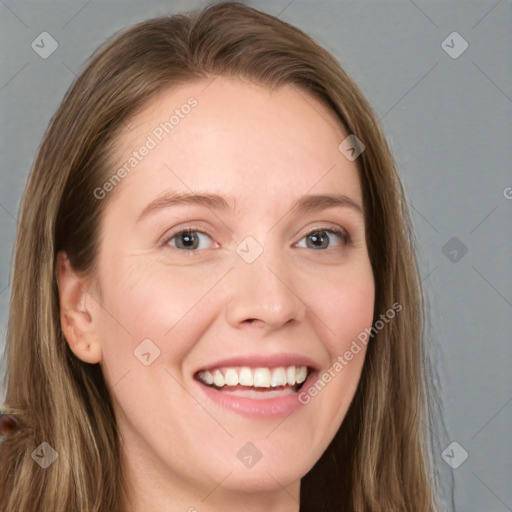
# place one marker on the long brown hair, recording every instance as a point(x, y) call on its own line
point(381, 457)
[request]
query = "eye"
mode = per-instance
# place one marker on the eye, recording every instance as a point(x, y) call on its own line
point(188, 239)
point(320, 240)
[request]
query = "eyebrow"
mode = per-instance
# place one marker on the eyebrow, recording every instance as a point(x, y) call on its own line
point(305, 204)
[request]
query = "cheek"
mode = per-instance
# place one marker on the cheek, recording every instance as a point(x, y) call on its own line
point(350, 316)
point(344, 303)
point(148, 301)
point(354, 309)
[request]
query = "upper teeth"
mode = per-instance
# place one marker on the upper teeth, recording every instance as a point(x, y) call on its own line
point(255, 377)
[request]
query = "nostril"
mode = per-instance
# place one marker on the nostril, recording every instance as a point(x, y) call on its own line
point(255, 321)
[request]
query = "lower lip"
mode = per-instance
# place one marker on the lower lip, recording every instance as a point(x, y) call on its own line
point(256, 408)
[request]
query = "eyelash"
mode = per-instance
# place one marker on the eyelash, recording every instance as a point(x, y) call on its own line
point(342, 234)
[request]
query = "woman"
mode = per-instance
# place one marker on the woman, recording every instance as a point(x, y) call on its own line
point(191, 343)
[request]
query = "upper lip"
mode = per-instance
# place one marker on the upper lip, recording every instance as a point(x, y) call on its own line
point(263, 361)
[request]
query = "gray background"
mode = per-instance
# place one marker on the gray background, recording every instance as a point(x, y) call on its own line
point(449, 124)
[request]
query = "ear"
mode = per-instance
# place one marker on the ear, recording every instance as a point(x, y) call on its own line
point(78, 312)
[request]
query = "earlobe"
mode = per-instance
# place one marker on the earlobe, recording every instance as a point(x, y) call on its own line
point(78, 314)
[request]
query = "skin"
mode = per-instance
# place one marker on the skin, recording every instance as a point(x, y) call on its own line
point(267, 149)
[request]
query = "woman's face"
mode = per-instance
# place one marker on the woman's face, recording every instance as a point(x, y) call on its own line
point(259, 288)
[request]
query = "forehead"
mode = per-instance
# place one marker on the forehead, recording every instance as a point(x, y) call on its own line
point(229, 135)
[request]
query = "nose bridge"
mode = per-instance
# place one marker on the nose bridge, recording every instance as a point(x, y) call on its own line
point(263, 287)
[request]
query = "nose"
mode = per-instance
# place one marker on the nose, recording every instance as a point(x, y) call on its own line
point(264, 294)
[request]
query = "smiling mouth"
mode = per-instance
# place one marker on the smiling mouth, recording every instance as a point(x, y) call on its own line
point(261, 382)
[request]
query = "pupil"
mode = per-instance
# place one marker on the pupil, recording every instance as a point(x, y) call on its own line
point(316, 238)
point(188, 240)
